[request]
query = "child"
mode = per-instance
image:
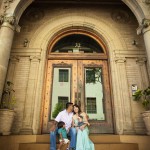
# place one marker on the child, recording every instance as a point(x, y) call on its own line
point(62, 135)
point(80, 121)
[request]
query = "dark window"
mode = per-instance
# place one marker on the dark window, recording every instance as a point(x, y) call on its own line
point(63, 75)
point(91, 105)
point(77, 43)
point(63, 101)
point(90, 76)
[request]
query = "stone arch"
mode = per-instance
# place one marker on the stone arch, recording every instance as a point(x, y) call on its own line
point(111, 37)
point(136, 9)
point(77, 30)
point(45, 32)
point(19, 6)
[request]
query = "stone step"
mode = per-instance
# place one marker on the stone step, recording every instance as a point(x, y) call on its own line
point(108, 146)
point(96, 138)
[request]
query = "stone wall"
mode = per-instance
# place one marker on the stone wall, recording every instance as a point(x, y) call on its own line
point(117, 26)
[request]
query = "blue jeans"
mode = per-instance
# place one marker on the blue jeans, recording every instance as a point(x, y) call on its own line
point(72, 133)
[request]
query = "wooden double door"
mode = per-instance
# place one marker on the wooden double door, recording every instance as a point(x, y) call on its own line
point(84, 82)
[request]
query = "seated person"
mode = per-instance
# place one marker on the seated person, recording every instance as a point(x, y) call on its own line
point(62, 135)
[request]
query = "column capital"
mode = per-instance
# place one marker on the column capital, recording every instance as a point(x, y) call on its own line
point(35, 58)
point(120, 60)
point(9, 21)
point(14, 58)
point(144, 26)
point(141, 61)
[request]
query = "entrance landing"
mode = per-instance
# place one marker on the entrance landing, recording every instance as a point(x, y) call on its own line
point(101, 142)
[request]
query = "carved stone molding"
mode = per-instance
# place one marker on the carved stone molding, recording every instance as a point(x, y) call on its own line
point(141, 61)
point(35, 58)
point(146, 1)
point(120, 60)
point(145, 24)
point(9, 19)
point(6, 4)
point(14, 58)
point(120, 16)
point(34, 14)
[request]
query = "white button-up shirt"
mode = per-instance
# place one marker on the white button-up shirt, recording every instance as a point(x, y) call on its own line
point(65, 117)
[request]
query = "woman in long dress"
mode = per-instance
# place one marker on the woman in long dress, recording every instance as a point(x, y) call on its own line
point(80, 122)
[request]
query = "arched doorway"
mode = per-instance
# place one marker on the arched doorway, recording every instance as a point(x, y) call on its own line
point(77, 71)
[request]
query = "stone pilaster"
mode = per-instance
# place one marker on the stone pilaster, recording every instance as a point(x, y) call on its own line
point(8, 26)
point(143, 70)
point(123, 107)
point(30, 96)
point(13, 62)
point(143, 82)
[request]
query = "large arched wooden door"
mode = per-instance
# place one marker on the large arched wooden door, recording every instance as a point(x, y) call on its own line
point(79, 76)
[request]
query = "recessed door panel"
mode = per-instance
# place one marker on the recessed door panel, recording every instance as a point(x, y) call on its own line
point(84, 82)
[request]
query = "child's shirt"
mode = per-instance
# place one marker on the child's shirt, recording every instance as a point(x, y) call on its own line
point(80, 124)
point(63, 132)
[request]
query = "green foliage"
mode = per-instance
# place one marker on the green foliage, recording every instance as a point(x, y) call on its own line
point(93, 75)
point(143, 96)
point(58, 108)
point(8, 97)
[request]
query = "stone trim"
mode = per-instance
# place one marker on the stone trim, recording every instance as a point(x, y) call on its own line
point(133, 53)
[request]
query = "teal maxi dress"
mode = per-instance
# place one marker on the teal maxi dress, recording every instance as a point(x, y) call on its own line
point(83, 141)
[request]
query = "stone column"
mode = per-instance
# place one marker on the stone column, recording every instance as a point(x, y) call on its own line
point(6, 39)
point(145, 29)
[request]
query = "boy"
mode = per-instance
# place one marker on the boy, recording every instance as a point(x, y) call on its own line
point(62, 135)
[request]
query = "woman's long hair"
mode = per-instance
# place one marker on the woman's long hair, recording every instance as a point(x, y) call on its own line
point(79, 109)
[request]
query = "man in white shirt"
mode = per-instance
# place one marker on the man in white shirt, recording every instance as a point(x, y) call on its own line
point(65, 116)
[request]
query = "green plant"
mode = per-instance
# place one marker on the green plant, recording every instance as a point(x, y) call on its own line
point(58, 108)
point(8, 97)
point(143, 96)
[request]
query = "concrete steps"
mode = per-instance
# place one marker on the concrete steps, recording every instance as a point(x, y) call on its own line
point(101, 142)
point(121, 146)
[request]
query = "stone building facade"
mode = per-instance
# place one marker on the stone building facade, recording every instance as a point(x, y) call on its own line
point(30, 28)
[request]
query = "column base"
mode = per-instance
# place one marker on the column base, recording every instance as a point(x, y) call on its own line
point(26, 131)
point(129, 132)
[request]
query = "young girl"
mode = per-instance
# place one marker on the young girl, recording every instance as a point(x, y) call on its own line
point(62, 135)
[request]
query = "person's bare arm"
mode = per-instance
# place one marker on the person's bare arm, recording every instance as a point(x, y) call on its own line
point(87, 118)
point(53, 127)
point(73, 125)
point(61, 136)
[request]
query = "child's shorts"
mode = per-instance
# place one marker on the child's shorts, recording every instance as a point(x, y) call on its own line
point(66, 141)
